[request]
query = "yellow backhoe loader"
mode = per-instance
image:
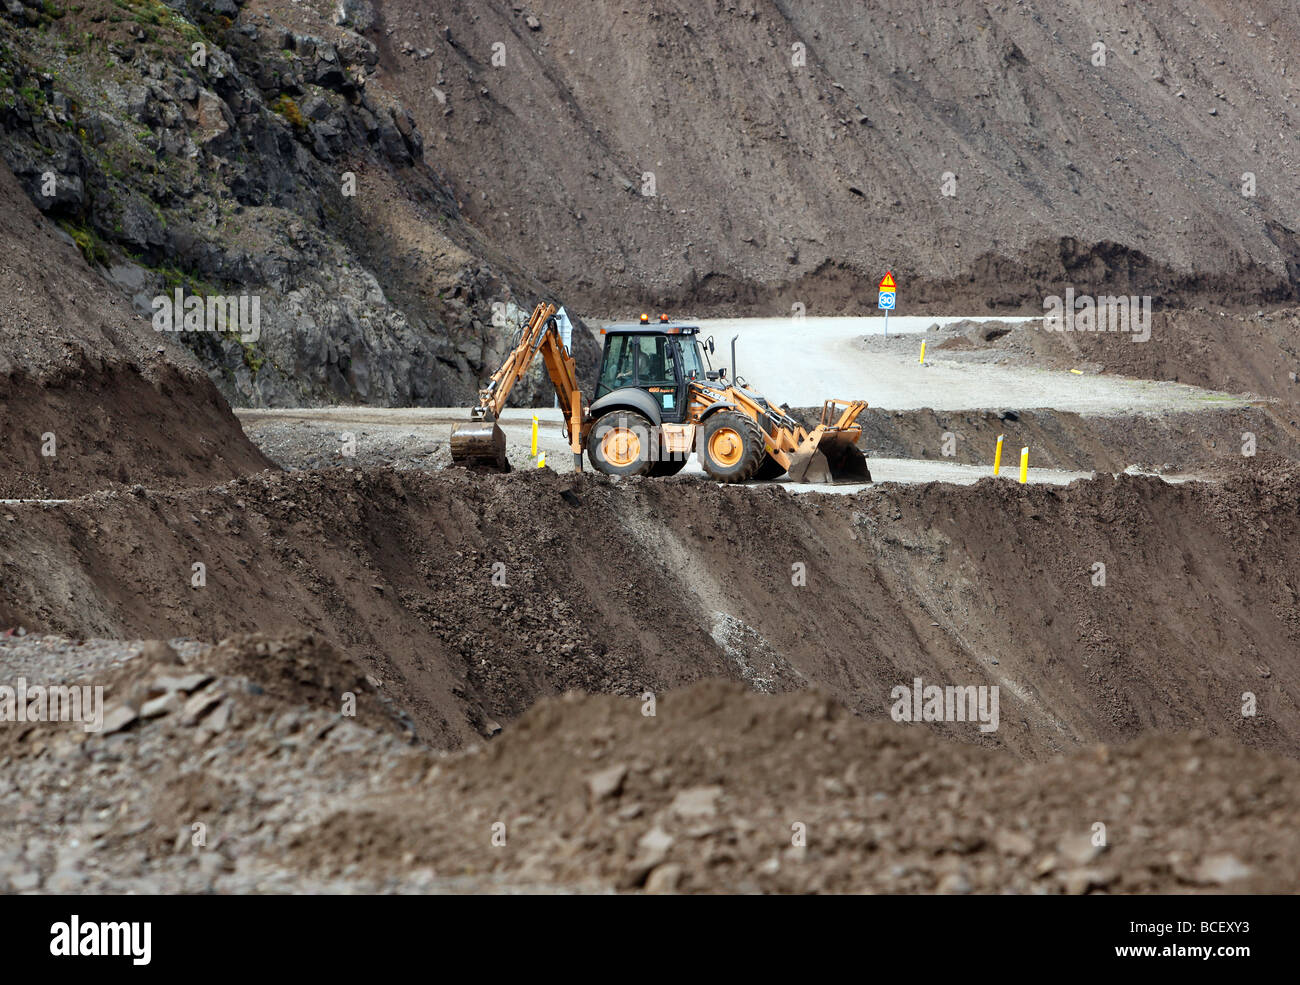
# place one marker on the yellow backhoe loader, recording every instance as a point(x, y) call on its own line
point(657, 400)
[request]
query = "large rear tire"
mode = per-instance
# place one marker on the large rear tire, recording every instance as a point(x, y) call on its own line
point(621, 443)
point(732, 448)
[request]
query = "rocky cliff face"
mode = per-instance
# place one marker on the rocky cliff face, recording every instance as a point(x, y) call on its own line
point(231, 152)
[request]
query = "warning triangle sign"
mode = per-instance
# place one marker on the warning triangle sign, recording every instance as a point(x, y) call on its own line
point(887, 283)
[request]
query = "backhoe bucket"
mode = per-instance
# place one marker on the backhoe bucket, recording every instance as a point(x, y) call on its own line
point(479, 445)
point(834, 458)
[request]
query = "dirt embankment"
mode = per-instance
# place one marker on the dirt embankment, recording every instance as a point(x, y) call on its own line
point(470, 597)
point(1168, 443)
point(86, 399)
point(1254, 352)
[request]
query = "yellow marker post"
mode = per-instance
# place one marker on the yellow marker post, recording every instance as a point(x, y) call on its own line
point(541, 460)
point(1024, 465)
point(922, 359)
point(534, 451)
point(997, 456)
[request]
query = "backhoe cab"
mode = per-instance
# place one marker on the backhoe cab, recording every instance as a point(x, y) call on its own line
point(657, 400)
point(642, 403)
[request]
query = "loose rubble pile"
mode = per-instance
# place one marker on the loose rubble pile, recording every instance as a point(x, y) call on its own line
point(246, 768)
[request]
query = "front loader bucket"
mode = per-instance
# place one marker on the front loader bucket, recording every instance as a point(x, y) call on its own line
point(835, 458)
point(809, 466)
point(479, 445)
point(845, 460)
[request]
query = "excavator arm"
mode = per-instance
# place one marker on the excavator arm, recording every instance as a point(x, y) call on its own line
point(481, 443)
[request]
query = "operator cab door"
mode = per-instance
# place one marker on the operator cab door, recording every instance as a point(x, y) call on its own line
point(658, 372)
point(617, 369)
point(648, 362)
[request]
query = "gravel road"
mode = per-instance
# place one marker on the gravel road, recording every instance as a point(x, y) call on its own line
point(798, 362)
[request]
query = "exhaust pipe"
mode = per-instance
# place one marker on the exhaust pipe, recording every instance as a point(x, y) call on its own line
point(733, 357)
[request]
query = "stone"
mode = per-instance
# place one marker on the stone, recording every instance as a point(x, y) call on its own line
point(664, 878)
point(696, 802)
point(1014, 843)
point(214, 116)
point(316, 108)
point(69, 195)
point(954, 884)
point(1078, 850)
point(66, 880)
point(606, 783)
point(653, 847)
point(1216, 870)
point(132, 279)
point(198, 705)
point(219, 719)
point(157, 707)
point(25, 881)
point(1079, 881)
point(118, 718)
point(359, 15)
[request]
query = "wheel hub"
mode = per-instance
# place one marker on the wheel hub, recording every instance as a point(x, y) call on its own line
point(620, 447)
point(726, 446)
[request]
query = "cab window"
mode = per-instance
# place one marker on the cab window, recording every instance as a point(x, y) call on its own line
point(654, 366)
point(617, 368)
point(642, 361)
point(692, 364)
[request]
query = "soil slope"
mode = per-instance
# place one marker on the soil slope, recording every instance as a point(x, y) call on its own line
point(759, 154)
point(78, 364)
point(473, 596)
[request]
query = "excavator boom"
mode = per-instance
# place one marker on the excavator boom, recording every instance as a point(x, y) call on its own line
point(481, 443)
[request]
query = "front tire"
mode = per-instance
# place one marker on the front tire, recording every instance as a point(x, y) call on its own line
point(620, 443)
point(732, 448)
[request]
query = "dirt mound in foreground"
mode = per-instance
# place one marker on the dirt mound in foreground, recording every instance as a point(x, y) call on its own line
point(718, 789)
point(81, 376)
point(1103, 611)
point(712, 791)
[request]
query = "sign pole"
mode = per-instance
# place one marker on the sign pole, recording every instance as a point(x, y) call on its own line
point(886, 297)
